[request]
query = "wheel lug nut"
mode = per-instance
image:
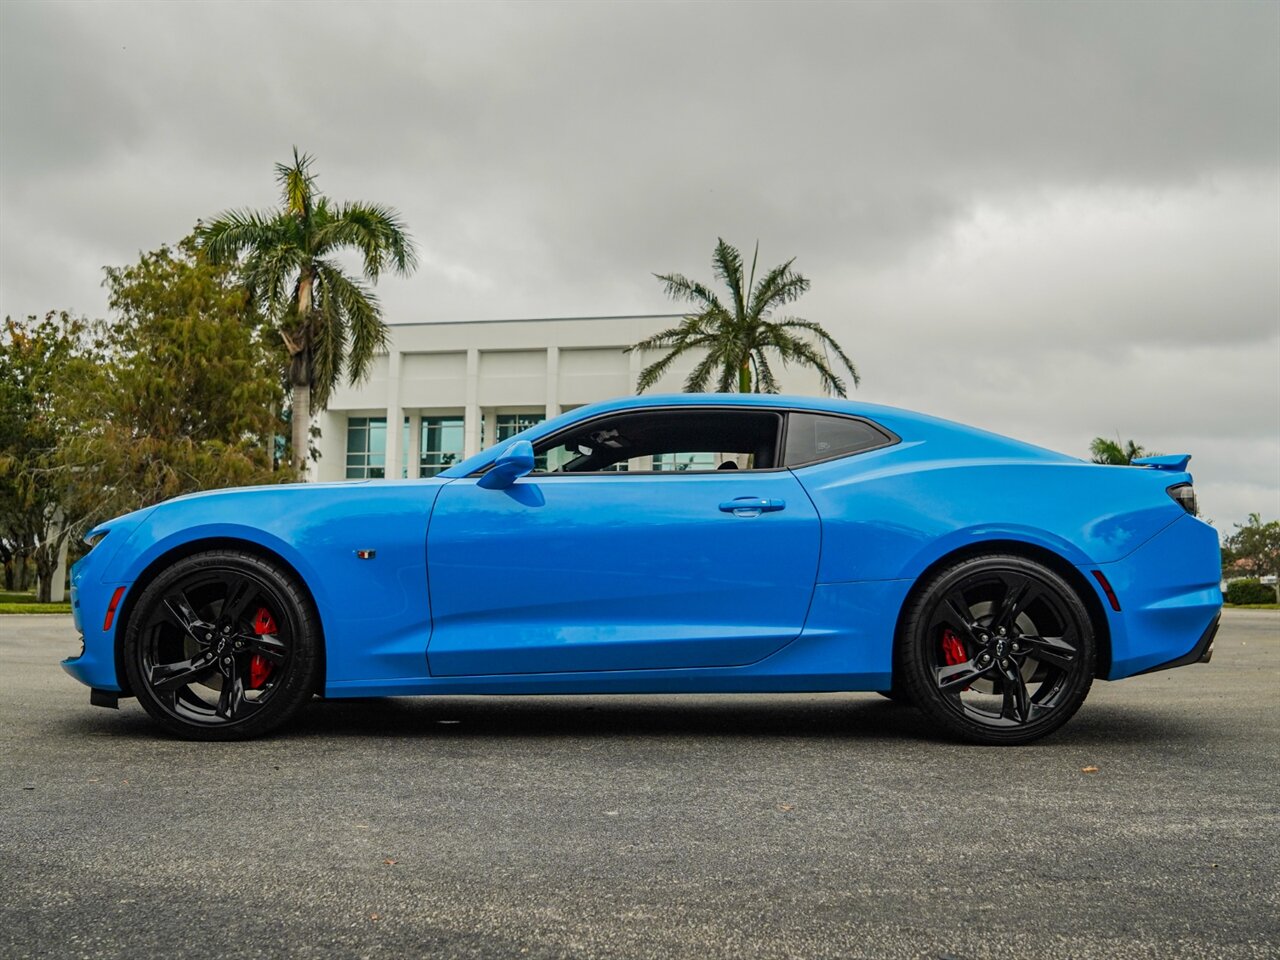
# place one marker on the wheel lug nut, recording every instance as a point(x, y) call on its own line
point(208, 636)
point(1004, 663)
point(226, 661)
point(1002, 631)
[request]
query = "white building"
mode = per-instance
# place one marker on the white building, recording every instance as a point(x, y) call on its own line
point(456, 388)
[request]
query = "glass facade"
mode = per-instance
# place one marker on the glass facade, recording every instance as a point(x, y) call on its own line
point(685, 461)
point(366, 448)
point(442, 441)
point(509, 424)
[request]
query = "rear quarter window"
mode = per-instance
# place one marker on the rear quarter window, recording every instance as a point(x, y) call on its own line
point(814, 437)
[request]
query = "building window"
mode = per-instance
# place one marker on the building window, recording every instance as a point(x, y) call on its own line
point(366, 448)
point(686, 461)
point(441, 444)
point(509, 424)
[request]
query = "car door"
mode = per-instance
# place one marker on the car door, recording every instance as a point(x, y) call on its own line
point(619, 571)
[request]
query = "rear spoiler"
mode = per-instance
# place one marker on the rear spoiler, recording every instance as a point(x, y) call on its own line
point(1177, 462)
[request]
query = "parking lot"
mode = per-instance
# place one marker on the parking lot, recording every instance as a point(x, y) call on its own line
point(797, 826)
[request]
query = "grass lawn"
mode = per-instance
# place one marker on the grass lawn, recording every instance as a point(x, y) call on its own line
point(11, 602)
point(7, 606)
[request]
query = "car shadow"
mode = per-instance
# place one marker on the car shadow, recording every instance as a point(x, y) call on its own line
point(847, 717)
point(852, 717)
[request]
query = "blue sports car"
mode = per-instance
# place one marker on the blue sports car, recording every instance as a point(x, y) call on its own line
point(665, 544)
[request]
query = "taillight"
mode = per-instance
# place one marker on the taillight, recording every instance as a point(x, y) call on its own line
point(1184, 494)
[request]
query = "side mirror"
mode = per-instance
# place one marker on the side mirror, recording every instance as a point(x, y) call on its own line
point(516, 461)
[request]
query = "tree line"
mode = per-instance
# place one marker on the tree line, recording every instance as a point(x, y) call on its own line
point(221, 347)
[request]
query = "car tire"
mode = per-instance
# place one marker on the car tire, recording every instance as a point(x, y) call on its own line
point(996, 650)
point(223, 645)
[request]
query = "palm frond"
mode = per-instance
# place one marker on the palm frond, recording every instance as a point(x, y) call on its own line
point(797, 323)
point(765, 380)
point(778, 287)
point(654, 371)
point(296, 183)
point(679, 287)
point(377, 231)
point(270, 274)
point(727, 264)
point(326, 344)
point(793, 349)
point(360, 317)
point(693, 327)
point(696, 382)
point(728, 374)
point(738, 341)
point(232, 232)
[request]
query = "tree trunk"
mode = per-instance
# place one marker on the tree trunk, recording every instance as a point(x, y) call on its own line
point(300, 371)
point(46, 567)
point(744, 378)
point(301, 428)
point(6, 562)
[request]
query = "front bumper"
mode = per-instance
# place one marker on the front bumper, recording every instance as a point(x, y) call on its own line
point(90, 597)
point(94, 578)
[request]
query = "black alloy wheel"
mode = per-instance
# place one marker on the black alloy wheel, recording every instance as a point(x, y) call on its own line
point(997, 650)
point(223, 645)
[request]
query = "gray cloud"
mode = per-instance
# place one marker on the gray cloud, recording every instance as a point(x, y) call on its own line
point(1056, 220)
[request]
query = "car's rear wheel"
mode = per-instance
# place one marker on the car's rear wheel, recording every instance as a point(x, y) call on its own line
point(223, 645)
point(997, 650)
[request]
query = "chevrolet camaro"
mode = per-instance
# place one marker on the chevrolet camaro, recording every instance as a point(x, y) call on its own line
point(665, 544)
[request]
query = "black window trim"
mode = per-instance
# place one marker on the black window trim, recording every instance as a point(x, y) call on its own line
point(780, 412)
point(784, 419)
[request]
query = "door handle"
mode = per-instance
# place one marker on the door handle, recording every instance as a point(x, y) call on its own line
point(752, 506)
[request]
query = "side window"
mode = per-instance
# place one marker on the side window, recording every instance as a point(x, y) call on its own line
point(665, 441)
point(812, 437)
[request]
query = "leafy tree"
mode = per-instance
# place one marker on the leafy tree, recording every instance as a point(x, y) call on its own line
point(1114, 453)
point(1254, 548)
point(187, 398)
point(41, 358)
point(737, 340)
point(328, 321)
point(175, 393)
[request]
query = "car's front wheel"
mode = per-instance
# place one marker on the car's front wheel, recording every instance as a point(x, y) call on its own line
point(223, 645)
point(997, 650)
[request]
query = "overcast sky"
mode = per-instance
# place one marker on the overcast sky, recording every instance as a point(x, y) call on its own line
point(1050, 220)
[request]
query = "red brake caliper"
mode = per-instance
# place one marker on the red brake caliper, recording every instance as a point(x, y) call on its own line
point(952, 649)
point(259, 666)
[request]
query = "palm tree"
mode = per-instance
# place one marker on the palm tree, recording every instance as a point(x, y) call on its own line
point(1114, 453)
point(327, 320)
point(739, 339)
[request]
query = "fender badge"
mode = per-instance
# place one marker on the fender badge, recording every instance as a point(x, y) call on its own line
point(366, 554)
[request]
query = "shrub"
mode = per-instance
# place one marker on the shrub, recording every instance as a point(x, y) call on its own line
point(1249, 591)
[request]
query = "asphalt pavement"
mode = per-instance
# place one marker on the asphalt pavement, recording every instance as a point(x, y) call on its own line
point(805, 826)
